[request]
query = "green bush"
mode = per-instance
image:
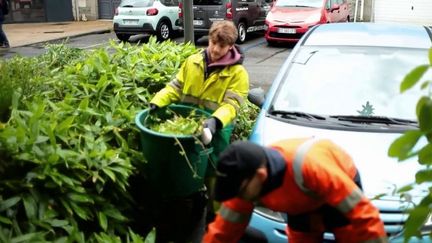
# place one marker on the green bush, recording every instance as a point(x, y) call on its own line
point(406, 146)
point(70, 146)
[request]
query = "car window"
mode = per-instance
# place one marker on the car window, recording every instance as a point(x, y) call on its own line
point(169, 3)
point(137, 3)
point(299, 3)
point(346, 80)
point(208, 2)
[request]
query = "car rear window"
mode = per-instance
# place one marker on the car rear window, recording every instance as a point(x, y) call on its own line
point(208, 2)
point(136, 3)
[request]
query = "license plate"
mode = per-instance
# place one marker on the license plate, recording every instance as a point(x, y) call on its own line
point(197, 22)
point(130, 22)
point(286, 31)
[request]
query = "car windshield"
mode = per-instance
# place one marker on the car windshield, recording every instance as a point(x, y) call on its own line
point(137, 3)
point(351, 81)
point(299, 3)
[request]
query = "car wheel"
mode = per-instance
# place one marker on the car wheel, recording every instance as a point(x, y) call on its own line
point(241, 28)
point(163, 31)
point(123, 37)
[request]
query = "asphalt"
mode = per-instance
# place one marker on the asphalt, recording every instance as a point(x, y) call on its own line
point(23, 34)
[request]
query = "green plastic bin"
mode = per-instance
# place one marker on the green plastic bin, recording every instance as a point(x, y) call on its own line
point(167, 170)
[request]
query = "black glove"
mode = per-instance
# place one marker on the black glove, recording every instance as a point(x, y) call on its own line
point(211, 123)
point(153, 108)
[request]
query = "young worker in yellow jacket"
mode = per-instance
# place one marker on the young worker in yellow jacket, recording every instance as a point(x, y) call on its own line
point(214, 80)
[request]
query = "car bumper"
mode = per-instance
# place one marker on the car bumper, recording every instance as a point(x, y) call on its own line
point(145, 28)
point(273, 34)
point(274, 231)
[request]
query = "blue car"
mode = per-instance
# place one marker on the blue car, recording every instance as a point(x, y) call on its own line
point(341, 82)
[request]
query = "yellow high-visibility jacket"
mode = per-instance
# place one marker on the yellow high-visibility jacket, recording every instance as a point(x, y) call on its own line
point(222, 90)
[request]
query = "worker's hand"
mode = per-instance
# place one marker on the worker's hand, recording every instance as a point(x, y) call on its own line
point(209, 129)
point(153, 108)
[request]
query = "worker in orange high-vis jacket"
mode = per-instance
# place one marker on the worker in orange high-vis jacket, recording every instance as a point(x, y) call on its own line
point(313, 181)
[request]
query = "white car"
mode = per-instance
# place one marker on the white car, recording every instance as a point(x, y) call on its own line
point(341, 82)
point(154, 17)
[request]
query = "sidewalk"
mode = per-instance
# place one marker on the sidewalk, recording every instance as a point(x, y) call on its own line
point(23, 34)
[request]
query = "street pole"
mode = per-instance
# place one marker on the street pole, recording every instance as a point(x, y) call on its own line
point(188, 21)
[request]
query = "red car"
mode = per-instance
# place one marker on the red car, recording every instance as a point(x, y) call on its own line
point(288, 20)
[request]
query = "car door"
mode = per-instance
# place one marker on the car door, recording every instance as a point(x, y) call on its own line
point(264, 8)
point(171, 11)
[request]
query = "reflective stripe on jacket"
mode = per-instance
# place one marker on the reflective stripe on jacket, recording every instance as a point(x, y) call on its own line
point(223, 91)
point(317, 173)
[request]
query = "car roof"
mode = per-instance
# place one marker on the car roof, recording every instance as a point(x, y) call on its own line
point(370, 34)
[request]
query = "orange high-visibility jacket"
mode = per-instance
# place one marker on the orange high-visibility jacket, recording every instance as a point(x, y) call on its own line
point(318, 172)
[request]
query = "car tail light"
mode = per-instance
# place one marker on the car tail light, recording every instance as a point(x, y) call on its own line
point(152, 11)
point(116, 12)
point(229, 14)
point(180, 10)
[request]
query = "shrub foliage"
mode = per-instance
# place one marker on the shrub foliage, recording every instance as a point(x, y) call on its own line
point(68, 142)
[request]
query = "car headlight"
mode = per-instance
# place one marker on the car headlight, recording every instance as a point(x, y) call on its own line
point(268, 213)
point(313, 19)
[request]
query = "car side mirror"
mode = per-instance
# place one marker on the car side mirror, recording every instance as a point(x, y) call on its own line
point(256, 96)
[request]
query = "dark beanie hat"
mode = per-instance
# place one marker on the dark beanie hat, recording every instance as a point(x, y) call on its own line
point(236, 163)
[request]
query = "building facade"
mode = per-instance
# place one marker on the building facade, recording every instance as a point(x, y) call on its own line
point(25, 11)
point(412, 11)
point(39, 11)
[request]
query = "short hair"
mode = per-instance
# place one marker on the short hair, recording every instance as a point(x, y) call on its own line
point(223, 32)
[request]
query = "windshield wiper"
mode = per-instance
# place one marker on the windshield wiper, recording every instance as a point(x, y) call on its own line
point(377, 119)
point(296, 114)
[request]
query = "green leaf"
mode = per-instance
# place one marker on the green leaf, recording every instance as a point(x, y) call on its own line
point(103, 221)
point(423, 176)
point(58, 223)
point(425, 84)
point(9, 203)
point(425, 155)
point(65, 124)
point(114, 213)
point(417, 217)
point(430, 56)
point(425, 115)
point(80, 211)
point(30, 207)
point(413, 77)
point(30, 237)
point(403, 145)
point(423, 100)
point(151, 237)
point(405, 189)
point(5, 220)
point(80, 198)
point(109, 173)
point(84, 104)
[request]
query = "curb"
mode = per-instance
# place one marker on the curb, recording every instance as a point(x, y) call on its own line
point(102, 31)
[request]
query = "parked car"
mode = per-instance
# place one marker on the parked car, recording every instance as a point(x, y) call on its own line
point(155, 17)
point(341, 82)
point(248, 16)
point(288, 20)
